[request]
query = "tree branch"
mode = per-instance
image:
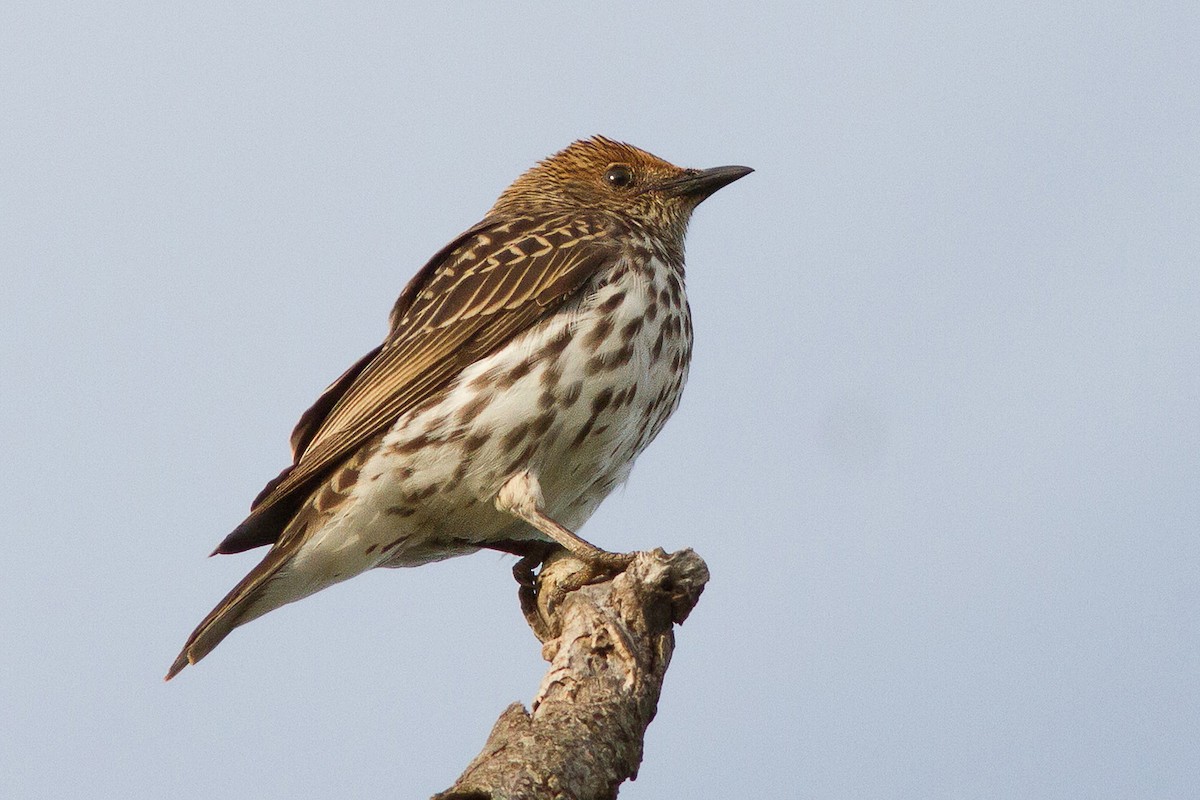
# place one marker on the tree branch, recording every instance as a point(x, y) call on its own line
point(609, 645)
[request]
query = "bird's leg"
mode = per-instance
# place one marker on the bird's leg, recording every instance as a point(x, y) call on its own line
point(521, 496)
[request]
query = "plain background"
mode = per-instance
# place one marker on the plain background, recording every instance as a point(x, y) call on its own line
point(939, 447)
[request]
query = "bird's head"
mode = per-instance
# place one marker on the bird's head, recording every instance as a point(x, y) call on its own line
point(603, 175)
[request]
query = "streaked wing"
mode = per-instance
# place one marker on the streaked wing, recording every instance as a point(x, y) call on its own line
point(488, 286)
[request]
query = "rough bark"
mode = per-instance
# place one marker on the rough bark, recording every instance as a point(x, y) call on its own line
point(609, 645)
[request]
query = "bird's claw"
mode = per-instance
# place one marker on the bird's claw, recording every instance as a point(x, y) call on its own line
point(541, 595)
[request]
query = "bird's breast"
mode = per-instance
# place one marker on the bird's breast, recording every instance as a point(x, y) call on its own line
point(574, 400)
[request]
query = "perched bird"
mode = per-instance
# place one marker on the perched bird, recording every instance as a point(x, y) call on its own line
point(525, 368)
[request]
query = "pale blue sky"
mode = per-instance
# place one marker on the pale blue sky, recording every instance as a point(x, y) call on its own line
point(939, 447)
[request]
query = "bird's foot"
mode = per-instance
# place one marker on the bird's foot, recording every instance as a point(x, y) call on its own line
point(521, 496)
point(527, 593)
point(562, 572)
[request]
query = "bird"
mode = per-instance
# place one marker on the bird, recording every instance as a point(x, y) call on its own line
point(525, 367)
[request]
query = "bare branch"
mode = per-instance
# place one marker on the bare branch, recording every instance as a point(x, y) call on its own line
point(609, 645)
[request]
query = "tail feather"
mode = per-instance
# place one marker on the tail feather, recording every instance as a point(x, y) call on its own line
point(241, 605)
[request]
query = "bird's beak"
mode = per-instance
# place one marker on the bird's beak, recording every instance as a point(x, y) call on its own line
point(700, 183)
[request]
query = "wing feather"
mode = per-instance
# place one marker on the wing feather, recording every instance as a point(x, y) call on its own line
point(485, 288)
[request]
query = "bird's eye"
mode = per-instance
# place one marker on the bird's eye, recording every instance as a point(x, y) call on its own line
point(618, 176)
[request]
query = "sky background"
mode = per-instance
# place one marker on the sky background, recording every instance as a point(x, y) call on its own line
point(940, 447)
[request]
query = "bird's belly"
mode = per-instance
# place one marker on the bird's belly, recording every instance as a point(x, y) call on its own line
point(574, 401)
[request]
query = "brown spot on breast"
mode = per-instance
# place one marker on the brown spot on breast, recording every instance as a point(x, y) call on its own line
point(551, 375)
point(675, 285)
point(595, 364)
point(398, 511)
point(647, 421)
point(604, 485)
point(632, 327)
point(484, 379)
point(522, 458)
point(572, 394)
point(516, 435)
point(460, 472)
point(601, 401)
point(472, 409)
point(645, 266)
point(411, 446)
point(542, 423)
point(657, 349)
point(475, 441)
point(559, 343)
point(423, 494)
point(517, 372)
point(622, 357)
point(612, 302)
point(598, 333)
point(584, 432)
point(610, 360)
point(453, 435)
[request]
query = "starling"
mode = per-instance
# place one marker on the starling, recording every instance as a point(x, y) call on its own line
point(525, 368)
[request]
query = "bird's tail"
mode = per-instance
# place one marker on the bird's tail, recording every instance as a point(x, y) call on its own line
point(245, 602)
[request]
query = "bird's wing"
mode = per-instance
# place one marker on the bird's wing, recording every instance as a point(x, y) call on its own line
point(483, 289)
